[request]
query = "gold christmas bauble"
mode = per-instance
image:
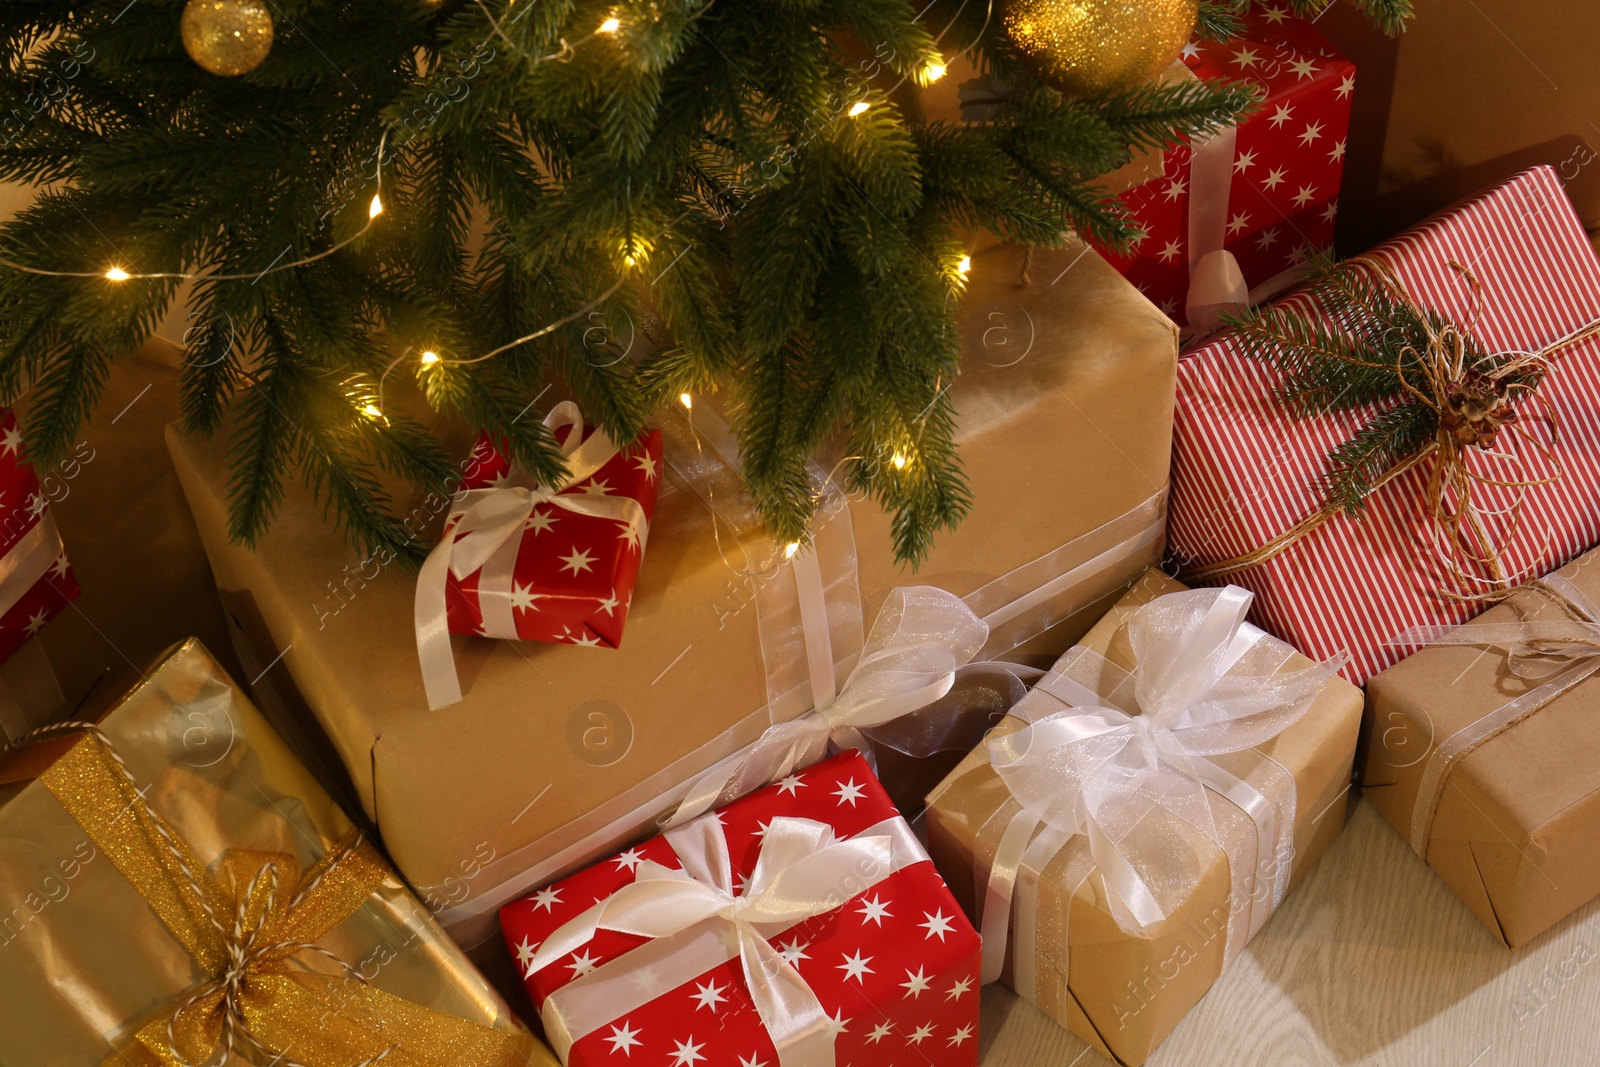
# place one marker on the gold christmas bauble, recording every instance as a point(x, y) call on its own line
point(227, 37)
point(1089, 47)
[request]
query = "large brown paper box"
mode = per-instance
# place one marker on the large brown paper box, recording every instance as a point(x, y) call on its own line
point(86, 958)
point(1125, 993)
point(1471, 94)
point(1065, 406)
point(1518, 817)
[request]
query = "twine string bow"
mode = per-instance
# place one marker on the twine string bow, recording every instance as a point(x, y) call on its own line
point(1475, 400)
point(1552, 656)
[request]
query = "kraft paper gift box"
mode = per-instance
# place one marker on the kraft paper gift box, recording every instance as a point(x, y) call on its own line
point(557, 754)
point(848, 921)
point(143, 859)
point(1247, 470)
point(1485, 754)
point(1124, 992)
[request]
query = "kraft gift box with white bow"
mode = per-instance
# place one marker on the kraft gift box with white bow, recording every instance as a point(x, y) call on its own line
point(802, 925)
point(1484, 749)
point(1137, 817)
point(1064, 406)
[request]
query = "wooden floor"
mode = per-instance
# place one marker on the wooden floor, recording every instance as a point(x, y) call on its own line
point(1371, 962)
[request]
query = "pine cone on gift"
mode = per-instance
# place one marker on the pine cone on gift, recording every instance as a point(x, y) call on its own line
point(1476, 407)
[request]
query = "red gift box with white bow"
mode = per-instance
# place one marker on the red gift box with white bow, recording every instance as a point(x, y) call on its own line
point(805, 915)
point(553, 563)
point(1266, 192)
point(37, 583)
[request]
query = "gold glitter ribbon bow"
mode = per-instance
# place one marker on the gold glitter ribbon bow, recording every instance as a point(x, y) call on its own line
point(251, 926)
point(1472, 406)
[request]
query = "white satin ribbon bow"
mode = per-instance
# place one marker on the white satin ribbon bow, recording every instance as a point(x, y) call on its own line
point(1206, 684)
point(920, 638)
point(484, 531)
point(697, 920)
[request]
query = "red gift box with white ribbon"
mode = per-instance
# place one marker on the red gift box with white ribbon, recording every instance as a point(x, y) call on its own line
point(533, 562)
point(1265, 193)
point(802, 924)
point(36, 582)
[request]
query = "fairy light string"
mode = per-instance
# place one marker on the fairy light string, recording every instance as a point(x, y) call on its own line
point(932, 69)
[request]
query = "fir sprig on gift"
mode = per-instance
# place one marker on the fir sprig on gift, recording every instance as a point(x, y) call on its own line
point(1355, 340)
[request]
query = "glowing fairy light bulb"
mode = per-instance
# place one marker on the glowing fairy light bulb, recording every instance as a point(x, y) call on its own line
point(430, 357)
point(790, 549)
point(116, 274)
point(933, 71)
point(964, 266)
point(371, 411)
point(899, 461)
point(858, 107)
point(611, 25)
point(375, 208)
point(686, 400)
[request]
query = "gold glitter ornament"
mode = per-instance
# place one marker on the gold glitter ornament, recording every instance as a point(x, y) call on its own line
point(227, 37)
point(1090, 47)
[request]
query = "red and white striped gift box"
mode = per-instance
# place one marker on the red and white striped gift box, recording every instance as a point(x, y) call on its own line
point(1245, 470)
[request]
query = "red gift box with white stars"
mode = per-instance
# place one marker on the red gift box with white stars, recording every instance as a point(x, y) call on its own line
point(574, 575)
point(40, 583)
point(1287, 164)
point(895, 967)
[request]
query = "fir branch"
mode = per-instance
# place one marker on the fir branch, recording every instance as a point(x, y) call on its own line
point(1390, 16)
point(783, 245)
point(1153, 115)
point(1388, 439)
point(1221, 20)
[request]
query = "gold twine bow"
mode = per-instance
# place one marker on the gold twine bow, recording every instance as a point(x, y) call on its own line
point(250, 926)
point(1474, 402)
point(1537, 650)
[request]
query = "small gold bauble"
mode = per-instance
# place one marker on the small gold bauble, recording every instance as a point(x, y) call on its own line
point(1090, 47)
point(227, 37)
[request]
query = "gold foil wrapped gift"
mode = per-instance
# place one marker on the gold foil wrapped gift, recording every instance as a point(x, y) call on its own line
point(177, 890)
point(1139, 815)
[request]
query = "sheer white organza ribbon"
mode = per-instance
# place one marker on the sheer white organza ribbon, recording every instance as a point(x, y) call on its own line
point(920, 638)
point(1553, 655)
point(1133, 754)
point(484, 530)
point(697, 920)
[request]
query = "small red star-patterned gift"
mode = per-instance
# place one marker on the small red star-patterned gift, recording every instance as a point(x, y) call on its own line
point(534, 562)
point(36, 583)
point(1228, 220)
point(802, 925)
